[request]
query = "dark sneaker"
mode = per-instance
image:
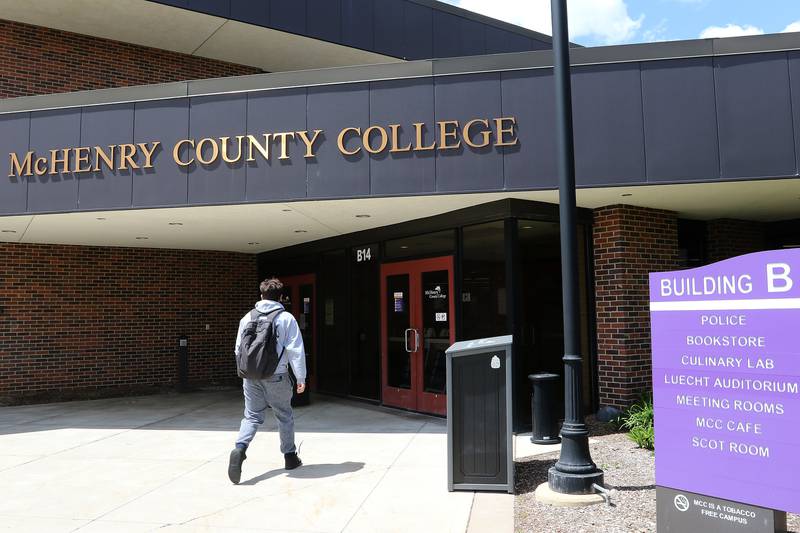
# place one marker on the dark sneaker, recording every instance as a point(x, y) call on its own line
point(235, 465)
point(291, 460)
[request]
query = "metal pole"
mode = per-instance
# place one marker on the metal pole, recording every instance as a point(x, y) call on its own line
point(574, 473)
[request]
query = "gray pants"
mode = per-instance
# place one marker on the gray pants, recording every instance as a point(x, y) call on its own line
point(259, 394)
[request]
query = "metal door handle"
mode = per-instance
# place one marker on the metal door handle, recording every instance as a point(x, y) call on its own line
point(416, 340)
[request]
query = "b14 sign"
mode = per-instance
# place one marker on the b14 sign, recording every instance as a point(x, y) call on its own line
point(726, 379)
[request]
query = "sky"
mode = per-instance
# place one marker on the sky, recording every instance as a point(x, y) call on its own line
point(605, 22)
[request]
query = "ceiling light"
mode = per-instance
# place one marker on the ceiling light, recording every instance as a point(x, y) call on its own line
point(300, 231)
point(363, 216)
point(404, 247)
point(142, 238)
point(176, 223)
point(285, 210)
point(527, 227)
point(253, 243)
point(627, 194)
point(9, 231)
point(100, 218)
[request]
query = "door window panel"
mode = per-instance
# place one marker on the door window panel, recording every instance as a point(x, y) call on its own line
point(398, 321)
point(436, 322)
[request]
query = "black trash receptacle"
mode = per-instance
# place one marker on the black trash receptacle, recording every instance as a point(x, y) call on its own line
point(480, 453)
point(543, 408)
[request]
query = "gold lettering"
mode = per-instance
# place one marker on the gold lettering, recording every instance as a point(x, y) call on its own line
point(63, 160)
point(225, 156)
point(126, 154)
point(444, 135)
point(214, 151)
point(264, 150)
point(418, 126)
point(283, 136)
point(16, 168)
point(148, 154)
point(309, 143)
point(107, 159)
point(40, 170)
point(487, 133)
point(341, 142)
point(501, 131)
point(81, 157)
point(396, 139)
point(176, 156)
point(368, 144)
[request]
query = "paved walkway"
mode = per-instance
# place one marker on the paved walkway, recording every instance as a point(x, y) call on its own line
point(160, 462)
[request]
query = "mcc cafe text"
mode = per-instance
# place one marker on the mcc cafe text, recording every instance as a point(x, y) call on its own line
point(726, 386)
point(477, 133)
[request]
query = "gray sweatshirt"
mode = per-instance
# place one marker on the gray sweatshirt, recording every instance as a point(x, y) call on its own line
point(289, 338)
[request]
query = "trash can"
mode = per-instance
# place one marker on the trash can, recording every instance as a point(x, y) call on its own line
point(480, 445)
point(543, 408)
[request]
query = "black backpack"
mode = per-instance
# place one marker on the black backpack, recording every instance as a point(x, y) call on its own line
point(258, 353)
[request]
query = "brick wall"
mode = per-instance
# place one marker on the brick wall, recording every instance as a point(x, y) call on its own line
point(36, 60)
point(727, 238)
point(79, 321)
point(629, 243)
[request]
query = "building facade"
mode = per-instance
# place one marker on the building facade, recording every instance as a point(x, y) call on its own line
point(163, 157)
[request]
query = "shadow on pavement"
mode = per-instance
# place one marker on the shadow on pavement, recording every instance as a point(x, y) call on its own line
point(314, 471)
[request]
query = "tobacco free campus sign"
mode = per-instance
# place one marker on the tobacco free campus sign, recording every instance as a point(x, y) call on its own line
point(726, 379)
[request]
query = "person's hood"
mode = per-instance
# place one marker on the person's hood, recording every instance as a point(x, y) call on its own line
point(265, 306)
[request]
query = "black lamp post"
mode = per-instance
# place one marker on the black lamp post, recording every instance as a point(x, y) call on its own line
point(574, 473)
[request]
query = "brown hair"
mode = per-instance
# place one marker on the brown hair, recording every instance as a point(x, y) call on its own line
point(271, 289)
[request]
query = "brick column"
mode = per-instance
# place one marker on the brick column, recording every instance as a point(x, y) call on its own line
point(629, 243)
point(726, 238)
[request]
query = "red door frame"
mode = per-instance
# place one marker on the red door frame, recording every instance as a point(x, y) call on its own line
point(415, 398)
point(294, 283)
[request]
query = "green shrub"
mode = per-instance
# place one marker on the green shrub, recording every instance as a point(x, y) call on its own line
point(638, 420)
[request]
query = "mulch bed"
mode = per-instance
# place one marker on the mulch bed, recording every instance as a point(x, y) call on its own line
point(630, 471)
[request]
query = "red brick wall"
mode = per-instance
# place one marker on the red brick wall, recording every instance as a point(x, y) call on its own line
point(629, 243)
point(36, 60)
point(79, 321)
point(727, 238)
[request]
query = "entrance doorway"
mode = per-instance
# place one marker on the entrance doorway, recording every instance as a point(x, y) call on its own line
point(417, 326)
point(299, 298)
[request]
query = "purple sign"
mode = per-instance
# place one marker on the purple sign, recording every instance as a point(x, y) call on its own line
point(726, 374)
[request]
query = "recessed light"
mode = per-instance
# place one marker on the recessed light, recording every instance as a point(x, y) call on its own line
point(9, 231)
point(300, 231)
point(142, 238)
point(404, 247)
point(285, 210)
point(176, 223)
point(527, 227)
point(627, 194)
point(363, 216)
point(253, 243)
point(100, 218)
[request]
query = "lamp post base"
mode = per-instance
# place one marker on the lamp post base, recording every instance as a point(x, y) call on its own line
point(574, 483)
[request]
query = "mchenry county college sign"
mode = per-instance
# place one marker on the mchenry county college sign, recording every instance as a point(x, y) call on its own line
point(394, 138)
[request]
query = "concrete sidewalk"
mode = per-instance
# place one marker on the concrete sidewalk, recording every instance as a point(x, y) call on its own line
point(160, 462)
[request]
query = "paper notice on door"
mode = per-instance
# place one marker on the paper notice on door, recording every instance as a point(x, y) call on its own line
point(399, 302)
point(441, 317)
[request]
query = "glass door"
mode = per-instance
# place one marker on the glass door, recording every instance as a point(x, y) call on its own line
point(299, 298)
point(417, 327)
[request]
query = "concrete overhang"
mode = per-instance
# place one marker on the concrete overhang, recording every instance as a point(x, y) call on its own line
point(255, 228)
point(188, 32)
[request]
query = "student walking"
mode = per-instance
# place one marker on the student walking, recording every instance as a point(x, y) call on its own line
point(272, 325)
